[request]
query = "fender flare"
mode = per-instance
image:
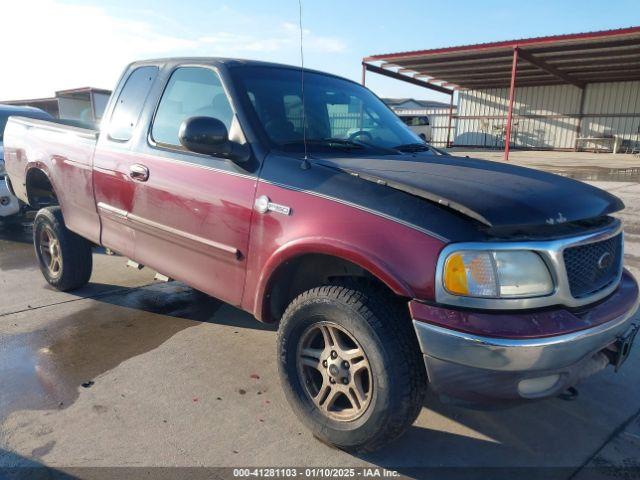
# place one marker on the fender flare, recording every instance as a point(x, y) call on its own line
point(41, 167)
point(324, 246)
point(37, 165)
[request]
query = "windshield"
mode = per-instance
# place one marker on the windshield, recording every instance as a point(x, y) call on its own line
point(338, 114)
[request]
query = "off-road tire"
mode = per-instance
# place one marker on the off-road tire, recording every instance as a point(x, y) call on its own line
point(384, 331)
point(76, 256)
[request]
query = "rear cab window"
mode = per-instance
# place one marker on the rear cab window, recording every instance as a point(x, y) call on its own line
point(130, 102)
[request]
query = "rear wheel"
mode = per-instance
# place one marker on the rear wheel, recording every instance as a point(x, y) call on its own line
point(65, 259)
point(351, 366)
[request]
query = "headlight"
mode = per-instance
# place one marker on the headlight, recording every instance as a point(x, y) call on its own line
point(496, 274)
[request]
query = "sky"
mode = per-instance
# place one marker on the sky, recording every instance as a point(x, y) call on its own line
point(50, 45)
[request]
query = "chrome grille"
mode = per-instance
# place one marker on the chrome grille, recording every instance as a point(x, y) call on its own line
point(593, 266)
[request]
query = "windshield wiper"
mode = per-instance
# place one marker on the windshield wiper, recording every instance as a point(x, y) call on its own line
point(341, 142)
point(412, 147)
point(354, 144)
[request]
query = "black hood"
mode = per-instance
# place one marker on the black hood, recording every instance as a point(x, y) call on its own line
point(495, 194)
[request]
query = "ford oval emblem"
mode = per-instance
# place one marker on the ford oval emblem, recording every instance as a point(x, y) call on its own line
point(605, 261)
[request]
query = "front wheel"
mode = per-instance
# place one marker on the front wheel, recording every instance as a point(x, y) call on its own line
point(351, 366)
point(65, 258)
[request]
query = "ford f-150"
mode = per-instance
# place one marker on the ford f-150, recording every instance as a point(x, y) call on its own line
point(391, 267)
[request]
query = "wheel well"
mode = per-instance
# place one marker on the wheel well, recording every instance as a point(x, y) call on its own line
point(308, 271)
point(40, 192)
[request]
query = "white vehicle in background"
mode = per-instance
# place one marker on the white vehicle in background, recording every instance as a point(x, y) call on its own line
point(419, 124)
point(9, 204)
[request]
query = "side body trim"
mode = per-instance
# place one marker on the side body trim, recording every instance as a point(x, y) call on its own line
point(155, 228)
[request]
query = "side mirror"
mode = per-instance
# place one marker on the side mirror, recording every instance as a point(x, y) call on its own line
point(209, 136)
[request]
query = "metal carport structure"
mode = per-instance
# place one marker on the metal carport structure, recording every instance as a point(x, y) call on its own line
point(574, 59)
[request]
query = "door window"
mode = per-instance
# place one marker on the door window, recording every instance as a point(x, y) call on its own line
point(190, 92)
point(130, 102)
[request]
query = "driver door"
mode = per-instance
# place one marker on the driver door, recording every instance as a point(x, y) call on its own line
point(191, 212)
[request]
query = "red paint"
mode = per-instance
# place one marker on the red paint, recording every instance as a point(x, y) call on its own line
point(203, 204)
point(535, 41)
point(400, 256)
point(191, 214)
point(449, 121)
point(512, 93)
point(66, 161)
point(114, 188)
point(217, 206)
point(543, 323)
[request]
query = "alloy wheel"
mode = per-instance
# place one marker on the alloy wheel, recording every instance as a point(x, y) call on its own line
point(335, 371)
point(50, 251)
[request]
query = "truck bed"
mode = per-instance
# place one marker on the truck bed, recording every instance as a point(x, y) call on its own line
point(63, 150)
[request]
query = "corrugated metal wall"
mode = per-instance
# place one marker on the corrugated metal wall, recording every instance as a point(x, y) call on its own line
point(547, 117)
point(612, 109)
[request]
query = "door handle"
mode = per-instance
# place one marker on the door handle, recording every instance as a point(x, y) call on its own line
point(139, 172)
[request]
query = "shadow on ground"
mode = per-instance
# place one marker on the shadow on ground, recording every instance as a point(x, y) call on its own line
point(16, 467)
point(16, 247)
point(45, 368)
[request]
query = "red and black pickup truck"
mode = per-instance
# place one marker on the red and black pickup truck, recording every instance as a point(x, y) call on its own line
point(390, 266)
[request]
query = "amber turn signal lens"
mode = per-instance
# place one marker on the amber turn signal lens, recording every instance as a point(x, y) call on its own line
point(455, 276)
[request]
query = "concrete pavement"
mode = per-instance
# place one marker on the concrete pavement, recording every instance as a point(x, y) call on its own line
point(130, 372)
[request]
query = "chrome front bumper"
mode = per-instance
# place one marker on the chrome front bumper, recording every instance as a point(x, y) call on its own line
point(471, 366)
point(515, 355)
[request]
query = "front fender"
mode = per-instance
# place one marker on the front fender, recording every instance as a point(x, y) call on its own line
point(402, 257)
point(335, 248)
